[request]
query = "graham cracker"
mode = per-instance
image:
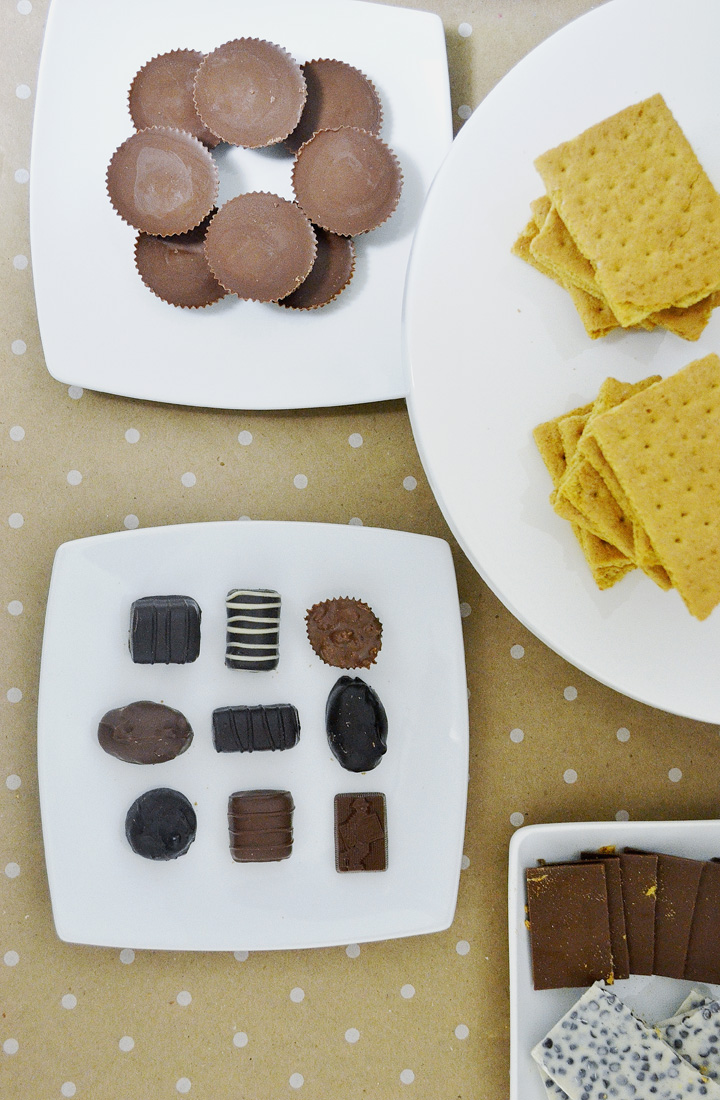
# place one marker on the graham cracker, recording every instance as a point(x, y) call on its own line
point(664, 447)
point(640, 209)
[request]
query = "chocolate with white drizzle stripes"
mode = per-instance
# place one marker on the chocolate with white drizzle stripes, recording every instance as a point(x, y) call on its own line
point(253, 626)
point(601, 1049)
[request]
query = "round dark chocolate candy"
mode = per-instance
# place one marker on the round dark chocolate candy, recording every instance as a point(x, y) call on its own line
point(145, 733)
point(161, 824)
point(356, 724)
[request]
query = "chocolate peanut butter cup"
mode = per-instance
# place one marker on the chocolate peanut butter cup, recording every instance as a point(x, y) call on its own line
point(162, 95)
point(250, 92)
point(337, 95)
point(260, 246)
point(329, 275)
point(176, 269)
point(347, 180)
point(162, 181)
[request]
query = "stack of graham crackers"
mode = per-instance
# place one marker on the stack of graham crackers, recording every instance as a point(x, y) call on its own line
point(612, 914)
point(630, 225)
point(637, 474)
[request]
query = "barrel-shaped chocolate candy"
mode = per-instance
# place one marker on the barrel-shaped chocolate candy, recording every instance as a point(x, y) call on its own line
point(253, 629)
point(260, 824)
point(255, 728)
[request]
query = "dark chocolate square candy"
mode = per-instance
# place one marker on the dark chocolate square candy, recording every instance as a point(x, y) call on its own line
point(164, 630)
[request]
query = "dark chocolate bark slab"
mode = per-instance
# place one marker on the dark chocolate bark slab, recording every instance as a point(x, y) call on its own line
point(678, 880)
point(360, 832)
point(255, 728)
point(616, 913)
point(703, 956)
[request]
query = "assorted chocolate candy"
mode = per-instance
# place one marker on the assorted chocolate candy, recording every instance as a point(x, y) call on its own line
point(164, 630)
point(161, 824)
point(253, 629)
point(260, 824)
point(255, 728)
point(360, 832)
point(145, 733)
point(356, 725)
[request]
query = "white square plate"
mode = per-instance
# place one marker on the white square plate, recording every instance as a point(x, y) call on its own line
point(100, 326)
point(102, 892)
point(534, 1012)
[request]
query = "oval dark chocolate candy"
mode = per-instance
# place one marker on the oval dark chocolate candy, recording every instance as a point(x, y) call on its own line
point(160, 824)
point(145, 733)
point(356, 724)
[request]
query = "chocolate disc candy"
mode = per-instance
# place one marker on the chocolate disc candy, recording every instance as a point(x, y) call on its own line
point(337, 95)
point(162, 95)
point(161, 824)
point(176, 269)
point(250, 92)
point(145, 733)
point(330, 274)
point(162, 181)
point(347, 180)
point(260, 246)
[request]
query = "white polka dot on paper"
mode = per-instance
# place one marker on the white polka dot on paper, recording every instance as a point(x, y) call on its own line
point(465, 610)
point(300, 481)
point(12, 870)
point(355, 440)
point(462, 947)
point(131, 522)
point(183, 1084)
point(127, 955)
point(15, 607)
point(21, 175)
point(68, 1088)
point(11, 1046)
point(462, 1031)
point(623, 734)
point(241, 956)
point(352, 950)
point(245, 438)
point(352, 1035)
point(465, 30)
point(407, 1077)
point(464, 111)
point(16, 433)
point(517, 819)
point(132, 435)
point(18, 347)
point(243, 519)
point(13, 782)
point(23, 91)
point(517, 736)
point(11, 958)
point(570, 775)
point(407, 991)
point(297, 995)
point(622, 815)
point(126, 1044)
point(355, 521)
point(465, 863)
point(24, 7)
point(517, 652)
point(75, 392)
point(74, 477)
point(240, 1039)
point(188, 480)
point(20, 262)
point(16, 519)
point(14, 695)
point(296, 1081)
point(674, 775)
point(69, 1000)
point(184, 998)
point(409, 483)
point(570, 693)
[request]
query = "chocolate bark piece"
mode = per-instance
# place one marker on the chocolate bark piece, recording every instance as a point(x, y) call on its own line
point(337, 95)
point(344, 632)
point(164, 630)
point(347, 180)
point(638, 873)
point(329, 275)
point(616, 913)
point(702, 963)
point(162, 95)
point(253, 629)
point(695, 1036)
point(601, 1049)
point(162, 181)
point(260, 246)
point(161, 824)
point(360, 832)
point(356, 724)
point(678, 880)
point(176, 268)
point(255, 728)
point(145, 733)
point(567, 907)
point(260, 824)
point(250, 92)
